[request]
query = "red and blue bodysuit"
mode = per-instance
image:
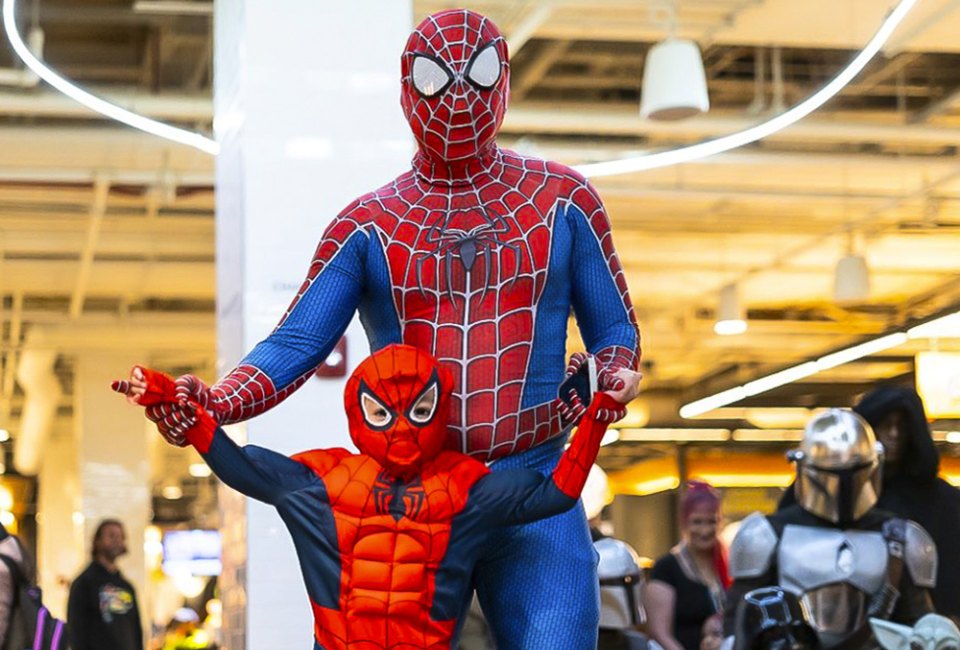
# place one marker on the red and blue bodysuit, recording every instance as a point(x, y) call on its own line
point(388, 538)
point(476, 255)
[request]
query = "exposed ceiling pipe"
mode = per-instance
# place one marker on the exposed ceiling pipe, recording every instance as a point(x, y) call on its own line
point(25, 77)
point(13, 341)
point(42, 393)
point(759, 103)
point(779, 103)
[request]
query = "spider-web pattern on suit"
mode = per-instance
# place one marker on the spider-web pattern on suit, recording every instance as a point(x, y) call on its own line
point(387, 549)
point(477, 255)
point(480, 329)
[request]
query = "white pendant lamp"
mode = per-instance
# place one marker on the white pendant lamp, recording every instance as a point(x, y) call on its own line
point(851, 277)
point(674, 82)
point(851, 280)
point(731, 317)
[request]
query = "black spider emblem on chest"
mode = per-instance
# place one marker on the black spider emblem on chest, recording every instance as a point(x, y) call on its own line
point(393, 496)
point(467, 244)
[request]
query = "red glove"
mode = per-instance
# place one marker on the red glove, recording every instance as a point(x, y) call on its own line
point(570, 474)
point(166, 401)
point(607, 381)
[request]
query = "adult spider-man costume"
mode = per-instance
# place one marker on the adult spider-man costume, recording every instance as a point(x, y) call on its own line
point(387, 538)
point(475, 255)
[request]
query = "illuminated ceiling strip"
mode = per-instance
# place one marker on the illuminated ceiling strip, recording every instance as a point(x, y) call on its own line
point(674, 435)
point(944, 326)
point(773, 479)
point(183, 136)
point(764, 129)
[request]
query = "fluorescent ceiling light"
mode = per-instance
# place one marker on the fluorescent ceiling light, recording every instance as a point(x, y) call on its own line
point(611, 436)
point(859, 351)
point(944, 327)
point(782, 378)
point(775, 479)
point(729, 327)
point(701, 406)
point(764, 129)
point(792, 374)
point(654, 485)
point(200, 470)
point(767, 435)
point(74, 92)
point(174, 7)
point(674, 435)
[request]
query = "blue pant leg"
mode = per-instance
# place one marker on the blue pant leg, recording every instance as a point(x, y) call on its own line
point(538, 583)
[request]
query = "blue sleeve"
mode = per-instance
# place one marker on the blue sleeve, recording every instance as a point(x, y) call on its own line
point(518, 496)
point(602, 308)
point(256, 472)
point(318, 316)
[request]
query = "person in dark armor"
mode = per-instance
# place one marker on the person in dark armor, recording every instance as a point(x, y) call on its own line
point(845, 559)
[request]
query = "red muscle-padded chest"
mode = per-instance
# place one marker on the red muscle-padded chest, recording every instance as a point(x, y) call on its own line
point(392, 538)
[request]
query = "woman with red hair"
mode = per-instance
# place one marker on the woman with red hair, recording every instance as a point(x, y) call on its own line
point(687, 585)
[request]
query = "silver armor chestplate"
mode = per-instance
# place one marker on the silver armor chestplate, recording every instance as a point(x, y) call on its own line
point(835, 573)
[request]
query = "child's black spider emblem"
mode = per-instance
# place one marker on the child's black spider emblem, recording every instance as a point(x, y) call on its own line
point(397, 498)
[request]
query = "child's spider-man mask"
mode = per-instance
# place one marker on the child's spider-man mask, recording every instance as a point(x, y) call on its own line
point(398, 404)
point(456, 79)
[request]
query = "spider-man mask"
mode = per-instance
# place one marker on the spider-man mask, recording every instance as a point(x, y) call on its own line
point(398, 404)
point(456, 79)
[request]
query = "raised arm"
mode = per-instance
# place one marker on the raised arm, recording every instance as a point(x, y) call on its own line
point(600, 298)
point(520, 496)
point(305, 336)
point(254, 471)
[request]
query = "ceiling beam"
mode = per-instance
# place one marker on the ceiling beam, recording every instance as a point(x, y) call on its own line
point(937, 107)
point(94, 15)
point(44, 103)
point(101, 191)
point(522, 32)
point(529, 76)
point(125, 279)
point(622, 120)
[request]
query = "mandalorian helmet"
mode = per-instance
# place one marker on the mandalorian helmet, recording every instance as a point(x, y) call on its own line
point(839, 465)
point(773, 619)
point(620, 585)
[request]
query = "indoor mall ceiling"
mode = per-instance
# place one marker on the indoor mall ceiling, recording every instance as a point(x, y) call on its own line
point(103, 229)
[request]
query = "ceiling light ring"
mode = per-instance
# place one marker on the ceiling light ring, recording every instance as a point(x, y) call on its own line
point(655, 160)
point(607, 168)
point(91, 101)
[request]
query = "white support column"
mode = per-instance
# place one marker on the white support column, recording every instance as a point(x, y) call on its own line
point(113, 460)
point(307, 113)
point(61, 548)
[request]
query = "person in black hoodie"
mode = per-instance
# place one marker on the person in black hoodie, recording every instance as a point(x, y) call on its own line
point(102, 612)
point(911, 487)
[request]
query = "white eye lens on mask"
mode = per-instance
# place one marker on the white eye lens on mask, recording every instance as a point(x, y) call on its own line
point(485, 68)
point(422, 410)
point(375, 413)
point(430, 78)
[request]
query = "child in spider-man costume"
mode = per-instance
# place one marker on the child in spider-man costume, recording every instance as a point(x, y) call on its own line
point(476, 255)
point(388, 538)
